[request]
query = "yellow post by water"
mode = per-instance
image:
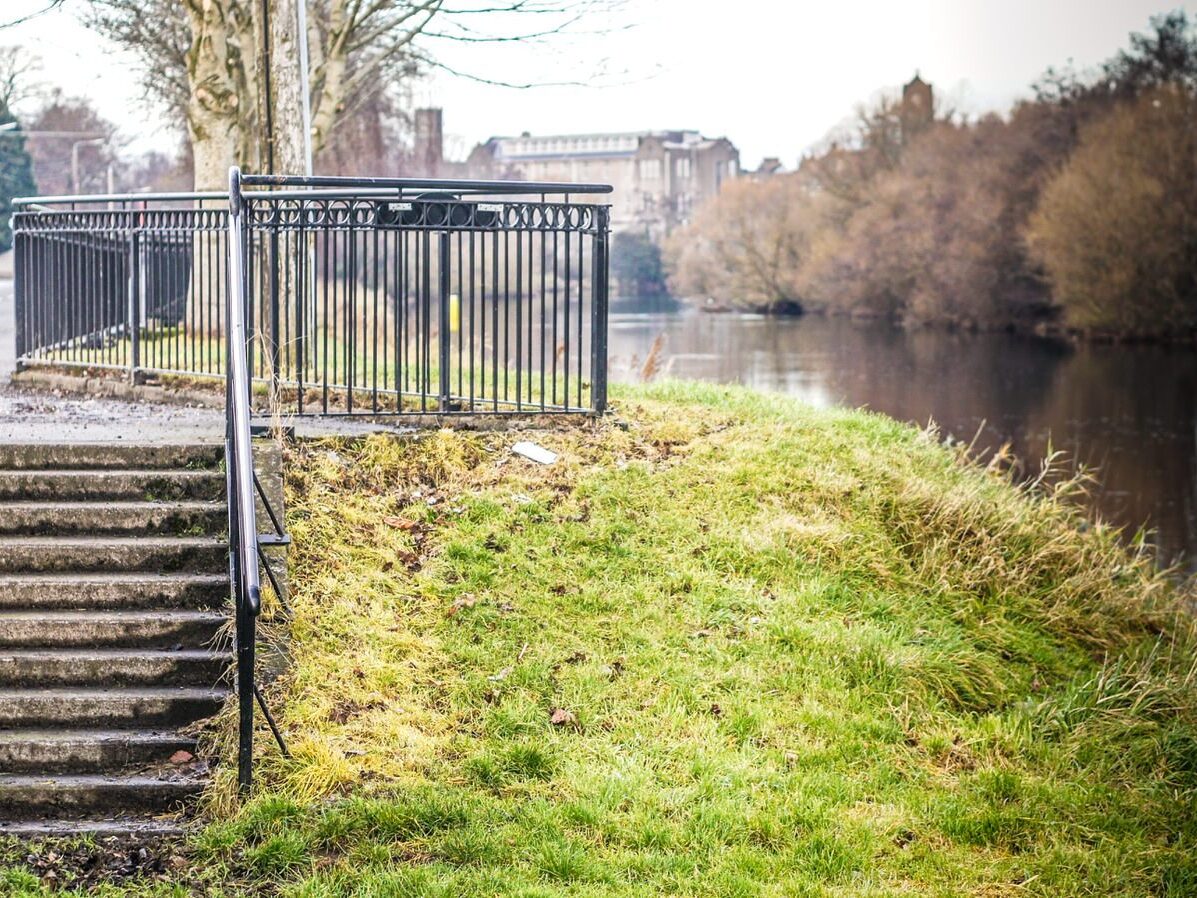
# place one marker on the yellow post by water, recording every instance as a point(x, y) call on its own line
point(454, 313)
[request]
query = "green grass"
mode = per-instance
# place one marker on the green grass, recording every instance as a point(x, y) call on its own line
point(789, 652)
point(490, 372)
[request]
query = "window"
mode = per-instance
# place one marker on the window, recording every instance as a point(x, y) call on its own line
point(683, 167)
point(650, 169)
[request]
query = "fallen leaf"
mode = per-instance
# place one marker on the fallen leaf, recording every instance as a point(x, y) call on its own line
point(182, 757)
point(399, 523)
point(560, 717)
point(467, 600)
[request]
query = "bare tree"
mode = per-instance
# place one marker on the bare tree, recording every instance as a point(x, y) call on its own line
point(17, 76)
point(204, 59)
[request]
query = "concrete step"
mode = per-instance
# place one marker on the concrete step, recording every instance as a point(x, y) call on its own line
point(103, 590)
point(145, 629)
point(140, 484)
point(71, 794)
point(76, 708)
point(125, 827)
point(34, 554)
point(110, 455)
point(182, 517)
point(41, 668)
point(88, 751)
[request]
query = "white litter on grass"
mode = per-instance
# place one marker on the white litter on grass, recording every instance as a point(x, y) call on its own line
point(538, 454)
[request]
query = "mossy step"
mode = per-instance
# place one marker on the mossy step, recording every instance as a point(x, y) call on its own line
point(78, 708)
point(32, 795)
point(110, 629)
point(110, 455)
point(48, 751)
point(110, 667)
point(56, 518)
point(32, 554)
point(109, 590)
point(132, 484)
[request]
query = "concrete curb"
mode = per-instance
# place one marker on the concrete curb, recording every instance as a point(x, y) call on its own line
point(115, 389)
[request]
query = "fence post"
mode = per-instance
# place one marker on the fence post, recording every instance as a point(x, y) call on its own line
point(134, 316)
point(598, 328)
point(444, 335)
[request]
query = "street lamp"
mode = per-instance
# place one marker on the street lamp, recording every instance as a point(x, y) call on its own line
point(95, 141)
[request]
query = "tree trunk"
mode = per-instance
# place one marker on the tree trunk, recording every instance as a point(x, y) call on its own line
point(286, 96)
point(222, 114)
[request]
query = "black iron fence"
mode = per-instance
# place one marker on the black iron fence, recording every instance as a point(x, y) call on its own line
point(361, 296)
point(107, 284)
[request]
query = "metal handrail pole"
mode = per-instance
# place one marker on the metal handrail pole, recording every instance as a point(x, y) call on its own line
point(243, 529)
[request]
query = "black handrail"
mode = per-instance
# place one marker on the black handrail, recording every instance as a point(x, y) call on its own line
point(243, 526)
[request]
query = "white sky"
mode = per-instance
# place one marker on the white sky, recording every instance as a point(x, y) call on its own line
point(774, 76)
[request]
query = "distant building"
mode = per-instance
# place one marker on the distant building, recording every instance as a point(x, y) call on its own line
point(659, 177)
point(893, 126)
point(918, 105)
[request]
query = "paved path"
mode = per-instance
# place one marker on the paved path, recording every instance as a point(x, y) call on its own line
point(34, 416)
point(28, 416)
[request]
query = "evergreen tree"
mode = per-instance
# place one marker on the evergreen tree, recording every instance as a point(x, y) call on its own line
point(16, 173)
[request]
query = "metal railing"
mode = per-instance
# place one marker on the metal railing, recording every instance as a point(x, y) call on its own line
point(329, 296)
point(244, 574)
point(130, 283)
point(361, 296)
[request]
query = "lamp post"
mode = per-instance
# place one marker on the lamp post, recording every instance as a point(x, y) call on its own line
point(95, 141)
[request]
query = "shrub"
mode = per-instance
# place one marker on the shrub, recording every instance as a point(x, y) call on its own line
point(1116, 229)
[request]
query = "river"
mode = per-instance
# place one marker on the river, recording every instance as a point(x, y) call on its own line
point(1128, 412)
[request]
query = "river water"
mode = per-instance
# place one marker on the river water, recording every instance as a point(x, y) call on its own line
point(1129, 412)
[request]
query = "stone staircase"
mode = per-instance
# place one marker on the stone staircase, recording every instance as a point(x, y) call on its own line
point(113, 632)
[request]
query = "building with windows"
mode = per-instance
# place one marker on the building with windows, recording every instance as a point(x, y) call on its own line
point(659, 177)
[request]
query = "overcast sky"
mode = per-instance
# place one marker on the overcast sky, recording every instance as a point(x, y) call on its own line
point(774, 76)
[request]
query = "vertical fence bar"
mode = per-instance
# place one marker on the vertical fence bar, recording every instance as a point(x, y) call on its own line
point(598, 306)
point(443, 336)
point(20, 289)
point(275, 337)
point(134, 314)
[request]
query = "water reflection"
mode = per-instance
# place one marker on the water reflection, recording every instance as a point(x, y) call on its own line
point(1130, 412)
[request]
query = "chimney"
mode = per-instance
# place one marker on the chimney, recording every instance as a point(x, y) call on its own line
point(429, 147)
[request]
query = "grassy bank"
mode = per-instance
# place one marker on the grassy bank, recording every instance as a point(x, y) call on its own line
point(726, 645)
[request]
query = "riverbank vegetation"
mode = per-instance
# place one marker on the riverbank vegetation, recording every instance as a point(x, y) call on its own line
point(1076, 211)
point(726, 645)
